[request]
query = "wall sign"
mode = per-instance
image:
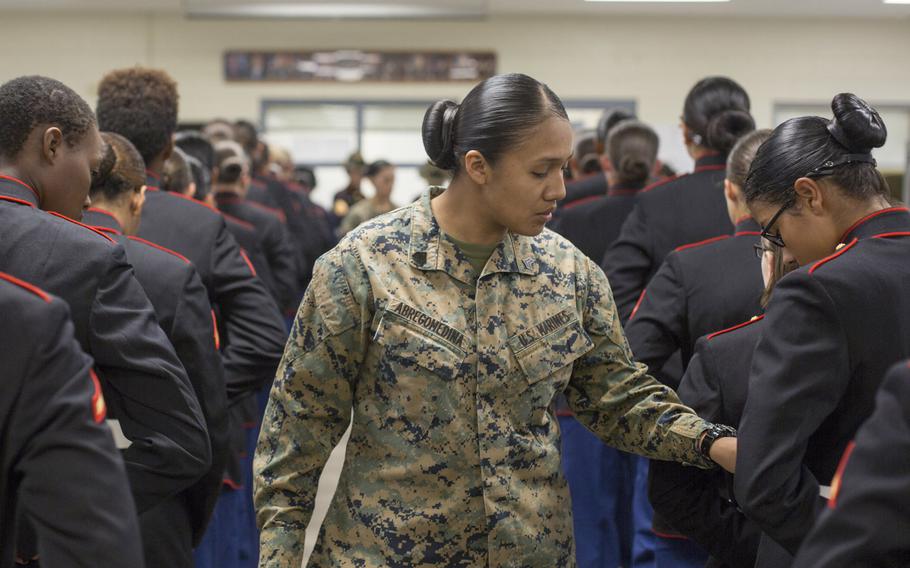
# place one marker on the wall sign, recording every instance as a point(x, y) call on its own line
point(353, 66)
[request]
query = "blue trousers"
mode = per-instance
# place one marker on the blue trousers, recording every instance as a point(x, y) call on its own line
point(600, 483)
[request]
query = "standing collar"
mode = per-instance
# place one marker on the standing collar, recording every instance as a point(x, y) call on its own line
point(710, 162)
point(152, 180)
point(883, 221)
point(431, 250)
point(102, 219)
point(18, 190)
point(622, 189)
point(747, 226)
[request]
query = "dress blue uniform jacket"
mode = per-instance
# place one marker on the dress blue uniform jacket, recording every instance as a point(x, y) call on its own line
point(831, 332)
point(59, 463)
point(144, 383)
point(866, 522)
point(669, 214)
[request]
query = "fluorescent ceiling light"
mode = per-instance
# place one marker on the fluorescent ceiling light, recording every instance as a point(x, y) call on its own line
point(331, 10)
point(663, 1)
point(897, 1)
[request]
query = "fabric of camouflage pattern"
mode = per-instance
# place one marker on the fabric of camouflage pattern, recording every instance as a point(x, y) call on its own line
point(453, 458)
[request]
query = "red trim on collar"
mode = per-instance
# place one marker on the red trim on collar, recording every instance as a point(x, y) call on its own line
point(102, 212)
point(16, 200)
point(747, 234)
point(239, 221)
point(99, 408)
point(106, 230)
point(713, 168)
point(161, 248)
point(26, 286)
point(152, 175)
point(832, 257)
point(870, 216)
point(702, 243)
point(838, 478)
point(23, 184)
point(83, 225)
point(735, 327)
point(581, 201)
point(743, 219)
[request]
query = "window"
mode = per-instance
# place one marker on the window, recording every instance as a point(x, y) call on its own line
point(893, 159)
point(324, 133)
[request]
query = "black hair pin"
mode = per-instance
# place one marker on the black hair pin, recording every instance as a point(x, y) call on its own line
point(827, 168)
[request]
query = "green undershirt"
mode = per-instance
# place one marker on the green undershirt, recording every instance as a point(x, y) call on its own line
point(477, 255)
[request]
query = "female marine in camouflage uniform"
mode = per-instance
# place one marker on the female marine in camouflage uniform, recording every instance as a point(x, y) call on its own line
point(446, 328)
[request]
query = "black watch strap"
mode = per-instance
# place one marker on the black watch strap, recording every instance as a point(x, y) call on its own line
point(711, 435)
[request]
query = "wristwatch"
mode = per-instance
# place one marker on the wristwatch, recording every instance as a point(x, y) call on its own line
point(711, 435)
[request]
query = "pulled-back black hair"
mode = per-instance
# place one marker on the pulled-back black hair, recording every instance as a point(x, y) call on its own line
point(493, 118)
point(230, 159)
point(140, 104)
point(28, 102)
point(717, 112)
point(195, 144)
point(176, 175)
point(121, 171)
point(201, 175)
point(609, 119)
point(742, 154)
point(811, 146)
point(246, 134)
point(632, 149)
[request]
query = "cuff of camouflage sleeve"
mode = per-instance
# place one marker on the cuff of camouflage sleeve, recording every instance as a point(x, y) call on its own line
point(281, 546)
point(692, 427)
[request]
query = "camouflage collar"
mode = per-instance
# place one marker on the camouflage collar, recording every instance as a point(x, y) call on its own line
point(429, 250)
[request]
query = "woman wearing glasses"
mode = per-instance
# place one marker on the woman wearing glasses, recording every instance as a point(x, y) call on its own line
point(699, 504)
point(834, 326)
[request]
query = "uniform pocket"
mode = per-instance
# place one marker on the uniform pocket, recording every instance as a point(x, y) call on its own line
point(549, 355)
point(407, 346)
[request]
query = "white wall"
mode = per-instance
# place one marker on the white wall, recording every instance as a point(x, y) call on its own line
point(651, 60)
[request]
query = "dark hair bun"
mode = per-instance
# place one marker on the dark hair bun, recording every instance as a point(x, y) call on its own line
point(438, 135)
point(632, 167)
point(726, 128)
point(106, 167)
point(856, 125)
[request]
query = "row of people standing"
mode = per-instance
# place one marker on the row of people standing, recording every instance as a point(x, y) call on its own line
point(183, 324)
point(812, 191)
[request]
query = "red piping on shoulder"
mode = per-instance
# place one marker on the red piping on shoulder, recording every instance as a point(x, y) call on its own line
point(662, 182)
point(99, 407)
point(702, 243)
point(832, 257)
point(894, 234)
point(747, 234)
point(161, 248)
point(735, 327)
point(637, 304)
point(83, 225)
point(26, 286)
point(215, 328)
point(276, 212)
point(668, 536)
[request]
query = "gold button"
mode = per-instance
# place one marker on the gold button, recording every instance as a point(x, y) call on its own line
point(753, 318)
point(839, 246)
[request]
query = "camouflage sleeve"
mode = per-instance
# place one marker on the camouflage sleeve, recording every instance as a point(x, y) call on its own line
point(615, 398)
point(309, 406)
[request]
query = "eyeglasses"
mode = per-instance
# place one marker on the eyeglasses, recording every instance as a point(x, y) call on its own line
point(760, 250)
point(775, 240)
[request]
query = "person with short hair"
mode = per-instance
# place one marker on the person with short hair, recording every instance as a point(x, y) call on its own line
point(447, 327)
point(49, 150)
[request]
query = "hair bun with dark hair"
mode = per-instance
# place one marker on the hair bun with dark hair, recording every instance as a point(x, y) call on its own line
point(856, 126)
point(438, 134)
point(726, 128)
point(102, 175)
